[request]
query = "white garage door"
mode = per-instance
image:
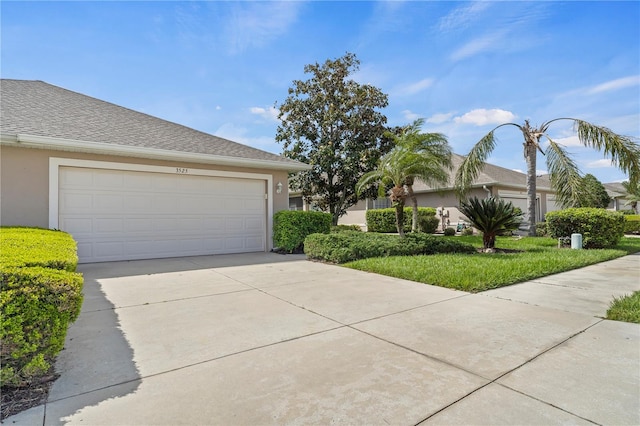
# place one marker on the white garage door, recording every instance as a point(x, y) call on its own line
point(120, 215)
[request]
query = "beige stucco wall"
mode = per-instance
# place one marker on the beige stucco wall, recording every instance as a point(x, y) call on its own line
point(24, 181)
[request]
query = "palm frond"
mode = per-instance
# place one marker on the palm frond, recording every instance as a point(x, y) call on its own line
point(564, 174)
point(473, 163)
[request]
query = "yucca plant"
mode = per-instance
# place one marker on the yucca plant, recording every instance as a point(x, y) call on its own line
point(492, 217)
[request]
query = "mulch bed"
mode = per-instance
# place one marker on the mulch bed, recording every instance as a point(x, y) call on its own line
point(18, 399)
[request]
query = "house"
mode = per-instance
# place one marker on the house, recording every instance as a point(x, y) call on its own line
point(127, 185)
point(496, 181)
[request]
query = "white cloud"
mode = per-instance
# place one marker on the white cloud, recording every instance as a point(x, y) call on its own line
point(440, 118)
point(568, 141)
point(616, 84)
point(462, 16)
point(413, 88)
point(481, 117)
point(252, 24)
point(482, 44)
point(239, 134)
point(410, 116)
point(270, 113)
point(599, 164)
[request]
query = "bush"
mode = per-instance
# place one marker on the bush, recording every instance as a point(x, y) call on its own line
point(290, 228)
point(37, 247)
point(39, 296)
point(632, 224)
point(448, 232)
point(343, 228)
point(541, 229)
point(467, 231)
point(599, 228)
point(347, 246)
point(627, 212)
point(384, 220)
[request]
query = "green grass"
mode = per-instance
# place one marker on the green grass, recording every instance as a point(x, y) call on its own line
point(625, 308)
point(484, 271)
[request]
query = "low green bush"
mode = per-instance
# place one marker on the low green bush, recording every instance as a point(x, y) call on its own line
point(628, 212)
point(347, 246)
point(384, 220)
point(467, 231)
point(37, 306)
point(40, 294)
point(343, 228)
point(37, 247)
point(449, 232)
point(541, 229)
point(632, 224)
point(290, 228)
point(600, 228)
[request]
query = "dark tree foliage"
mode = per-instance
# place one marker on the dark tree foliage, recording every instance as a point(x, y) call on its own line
point(592, 193)
point(335, 125)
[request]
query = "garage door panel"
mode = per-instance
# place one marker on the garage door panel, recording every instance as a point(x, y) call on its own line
point(119, 215)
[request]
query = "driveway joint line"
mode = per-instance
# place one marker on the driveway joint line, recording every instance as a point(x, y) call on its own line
point(512, 370)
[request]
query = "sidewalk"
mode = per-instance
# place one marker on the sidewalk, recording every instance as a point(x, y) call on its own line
point(270, 339)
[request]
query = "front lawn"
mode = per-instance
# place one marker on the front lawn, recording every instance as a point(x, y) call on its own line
point(483, 271)
point(625, 308)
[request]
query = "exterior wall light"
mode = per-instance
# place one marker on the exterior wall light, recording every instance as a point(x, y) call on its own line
point(279, 188)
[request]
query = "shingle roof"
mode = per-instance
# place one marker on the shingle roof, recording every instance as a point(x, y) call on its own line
point(41, 109)
point(490, 174)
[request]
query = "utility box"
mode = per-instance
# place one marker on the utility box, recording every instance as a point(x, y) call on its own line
point(576, 241)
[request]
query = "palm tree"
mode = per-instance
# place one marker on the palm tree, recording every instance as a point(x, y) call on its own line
point(633, 194)
point(492, 217)
point(433, 147)
point(396, 168)
point(565, 176)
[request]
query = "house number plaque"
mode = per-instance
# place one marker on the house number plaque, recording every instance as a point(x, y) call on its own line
point(181, 171)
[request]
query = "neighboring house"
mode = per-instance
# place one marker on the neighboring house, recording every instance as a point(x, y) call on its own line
point(494, 181)
point(617, 193)
point(127, 185)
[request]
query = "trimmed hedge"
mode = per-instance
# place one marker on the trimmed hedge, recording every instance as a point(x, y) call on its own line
point(37, 247)
point(347, 246)
point(632, 224)
point(290, 228)
point(384, 220)
point(39, 297)
point(600, 228)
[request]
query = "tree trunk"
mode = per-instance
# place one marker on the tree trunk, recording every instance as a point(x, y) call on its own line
point(530, 155)
point(400, 218)
point(414, 207)
point(488, 240)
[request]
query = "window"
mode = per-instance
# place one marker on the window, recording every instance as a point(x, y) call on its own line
point(378, 203)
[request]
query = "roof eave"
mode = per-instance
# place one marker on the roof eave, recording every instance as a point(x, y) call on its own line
point(60, 144)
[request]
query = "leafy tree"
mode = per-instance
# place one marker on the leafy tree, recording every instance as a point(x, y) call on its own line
point(565, 176)
point(401, 165)
point(592, 194)
point(633, 194)
point(333, 124)
point(434, 149)
point(491, 216)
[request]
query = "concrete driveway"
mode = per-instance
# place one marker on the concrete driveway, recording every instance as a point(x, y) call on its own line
point(261, 339)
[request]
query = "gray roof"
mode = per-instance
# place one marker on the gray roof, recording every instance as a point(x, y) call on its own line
point(490, 175)
point(41, 109)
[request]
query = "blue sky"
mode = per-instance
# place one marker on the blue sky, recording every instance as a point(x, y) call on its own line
point(464, 67)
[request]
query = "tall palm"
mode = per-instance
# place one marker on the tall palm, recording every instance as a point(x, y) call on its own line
point(395, 168)
point(633, 194)
point(565, 176)
point(433, 147)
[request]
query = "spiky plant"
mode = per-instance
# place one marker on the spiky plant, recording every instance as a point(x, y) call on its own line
point(564, 173)
point(632, 195)
point(491, 216)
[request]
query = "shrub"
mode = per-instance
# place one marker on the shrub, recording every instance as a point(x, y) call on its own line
point(290, 228)
point(37, 247)
point(343, 228)
point(39, 296)
point(467, 231)
point(541, 229)
point(492, 217)
point(448, 232)
point(627, 212)
point(347, 246)
point(384, 220)
point(632, 224)
point(599, 228)
point(37, 306)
